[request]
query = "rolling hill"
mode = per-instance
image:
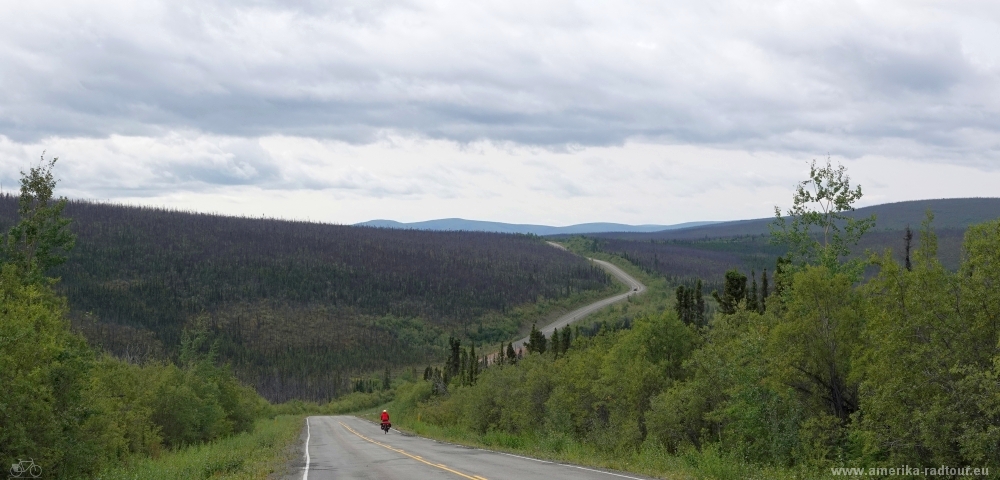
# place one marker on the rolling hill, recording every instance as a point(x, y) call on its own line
point(299, 308)
point(949, 213)
point(706, 252)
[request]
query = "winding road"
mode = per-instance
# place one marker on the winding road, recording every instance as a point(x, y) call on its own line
point(635, 287)
point(352, 448)
point(339, 447)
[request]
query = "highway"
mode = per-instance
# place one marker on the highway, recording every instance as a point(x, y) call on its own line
point(635, 287)
point(344, 447)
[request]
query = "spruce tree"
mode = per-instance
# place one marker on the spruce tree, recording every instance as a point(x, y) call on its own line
point(734, 292)
point(699, 302)
point(565, 340)
point(473, 365)
point(463, 368)
point(536, 341)
point(554, 342)
point(680, 298)
point(532, 344)
point(763, 292)
point(752, 304)
point(453, 367)
point(908, 238)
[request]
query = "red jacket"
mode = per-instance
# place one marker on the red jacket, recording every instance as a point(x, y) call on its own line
point(385, 417)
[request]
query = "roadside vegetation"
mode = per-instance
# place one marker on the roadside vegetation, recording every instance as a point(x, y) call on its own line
point(75, 411)
point(260, 453)
point(831, 368)
point(128, 403)
point(831, 360)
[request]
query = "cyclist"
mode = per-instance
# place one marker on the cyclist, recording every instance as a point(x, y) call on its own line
point(385, 421)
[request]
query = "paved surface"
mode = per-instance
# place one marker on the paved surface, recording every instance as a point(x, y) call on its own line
point(352, 448)
point(634, 288)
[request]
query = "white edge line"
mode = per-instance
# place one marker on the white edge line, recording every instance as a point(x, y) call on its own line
point(305, 474)
point(519, 456)
point(565, 465)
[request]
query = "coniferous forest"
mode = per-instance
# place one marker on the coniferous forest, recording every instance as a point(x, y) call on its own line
point(687, 260)
point(832, 362)
point(298, 309)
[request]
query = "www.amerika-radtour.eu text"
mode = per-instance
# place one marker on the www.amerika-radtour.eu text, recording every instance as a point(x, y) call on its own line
point(907, 470)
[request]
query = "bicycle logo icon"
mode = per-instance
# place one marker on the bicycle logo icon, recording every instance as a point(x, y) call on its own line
point(25, 469)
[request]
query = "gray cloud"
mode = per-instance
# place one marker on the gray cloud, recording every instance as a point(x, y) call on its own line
point(890, 79)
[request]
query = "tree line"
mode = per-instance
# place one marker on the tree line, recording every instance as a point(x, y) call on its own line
point(824, 367)
point(70, 408)
point(298, 308)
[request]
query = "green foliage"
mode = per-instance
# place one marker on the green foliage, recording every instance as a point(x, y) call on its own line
point(765, 291)
point(929, 377)
point(735, 291)
point(349, 403)
point(44, 371)
point(753, 296)
point(592, 392)
point(901, 370)
point(537, 343)
point(75, 413)
point(812, 348)
point(40, 238)
point(259, 453)
point(690, 304)
point(819, 202)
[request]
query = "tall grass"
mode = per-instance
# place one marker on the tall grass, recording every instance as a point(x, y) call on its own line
point(254, 455)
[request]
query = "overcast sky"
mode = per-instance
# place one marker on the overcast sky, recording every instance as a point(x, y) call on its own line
point(517, 111)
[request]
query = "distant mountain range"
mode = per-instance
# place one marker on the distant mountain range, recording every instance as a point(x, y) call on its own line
point(460, 224)
point(949, 213)
point(708, 251)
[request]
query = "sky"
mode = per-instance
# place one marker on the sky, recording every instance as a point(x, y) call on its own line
point(515, 111)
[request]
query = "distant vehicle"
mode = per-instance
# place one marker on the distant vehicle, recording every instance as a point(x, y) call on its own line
point(636, 289)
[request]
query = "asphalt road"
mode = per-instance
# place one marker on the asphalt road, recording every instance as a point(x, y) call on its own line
point(635, 287)
point(352, 448)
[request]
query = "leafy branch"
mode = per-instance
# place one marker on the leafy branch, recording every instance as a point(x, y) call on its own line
point(816, 230)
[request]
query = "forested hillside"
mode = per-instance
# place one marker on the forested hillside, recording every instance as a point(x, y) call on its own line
point(949, 213)
point(686, 260)
point(298, 308)
point(871, 362)
point(899, 370)
point(69, 411)
point(707, 252)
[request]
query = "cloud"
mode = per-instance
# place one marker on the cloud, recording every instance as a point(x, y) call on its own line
point(812, 77)
point(415, 178)
point(548, 112)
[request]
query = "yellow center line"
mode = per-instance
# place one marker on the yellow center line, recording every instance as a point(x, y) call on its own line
point(415, 457)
